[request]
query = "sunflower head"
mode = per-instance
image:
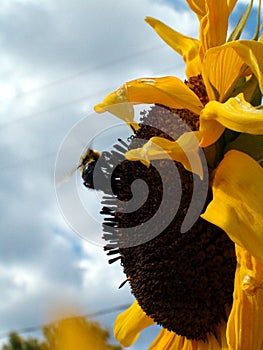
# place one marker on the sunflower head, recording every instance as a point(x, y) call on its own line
point(184, 213)
point(156, 256)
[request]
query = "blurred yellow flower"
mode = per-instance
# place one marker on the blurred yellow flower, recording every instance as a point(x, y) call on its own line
point(77, 332)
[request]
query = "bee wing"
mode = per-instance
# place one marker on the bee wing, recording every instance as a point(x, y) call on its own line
point(66, 177)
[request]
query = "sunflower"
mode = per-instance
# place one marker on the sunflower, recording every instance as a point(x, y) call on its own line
point(204, 286)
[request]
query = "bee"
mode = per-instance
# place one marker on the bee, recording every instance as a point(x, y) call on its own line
point(87, 165)
point(103, 167)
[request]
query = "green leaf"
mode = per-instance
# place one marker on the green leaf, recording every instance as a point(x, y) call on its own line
point(249, 144)
point(236, 33)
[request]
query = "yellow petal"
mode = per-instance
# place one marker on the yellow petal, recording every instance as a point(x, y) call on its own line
point(235, 114)
point(185, 46)
point(117, 103)
point(214, 24)
point(199, 6)
point(237, 205)
point(222, 68)
point(251, 52)
point(130, 323)
point(212, 342)
point(184, 150)
point(170, 341)
point(244, 330)
point(167, 341)
point(231, 4)
point(169, 91)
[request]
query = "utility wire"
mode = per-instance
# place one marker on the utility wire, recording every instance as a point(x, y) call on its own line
point(83, 72)
point(50, 154)
point(90, 315)
point(52, 109)
point(57, 107)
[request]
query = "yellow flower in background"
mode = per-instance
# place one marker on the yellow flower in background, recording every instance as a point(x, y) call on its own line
point(77, 333)
point(227, 124)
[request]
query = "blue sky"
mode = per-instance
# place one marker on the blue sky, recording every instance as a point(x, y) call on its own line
point(58, 59)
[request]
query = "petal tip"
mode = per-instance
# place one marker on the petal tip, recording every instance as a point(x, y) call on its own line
point(150, 20)
point(98, 108)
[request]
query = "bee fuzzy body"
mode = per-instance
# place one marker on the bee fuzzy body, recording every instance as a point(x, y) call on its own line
point(87, 165)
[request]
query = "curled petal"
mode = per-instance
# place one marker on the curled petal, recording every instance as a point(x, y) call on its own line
point(169, 91)
point(118, 104)
point(237, 205)
point(236, 114)
point(199, 6)
point(214, 24)
point(222, 68)
point(244, 329)
point(130, 323)
point(184, 150)
point(185, 46)
point(251, 52)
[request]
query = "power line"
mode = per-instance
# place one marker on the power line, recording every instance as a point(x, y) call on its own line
point(27, 162)
point(52, 109)
point(82, 72)
point(90, 315)
point(57, 107)
point(50, 154)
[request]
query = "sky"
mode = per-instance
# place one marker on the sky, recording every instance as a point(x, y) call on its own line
point(58, 59)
